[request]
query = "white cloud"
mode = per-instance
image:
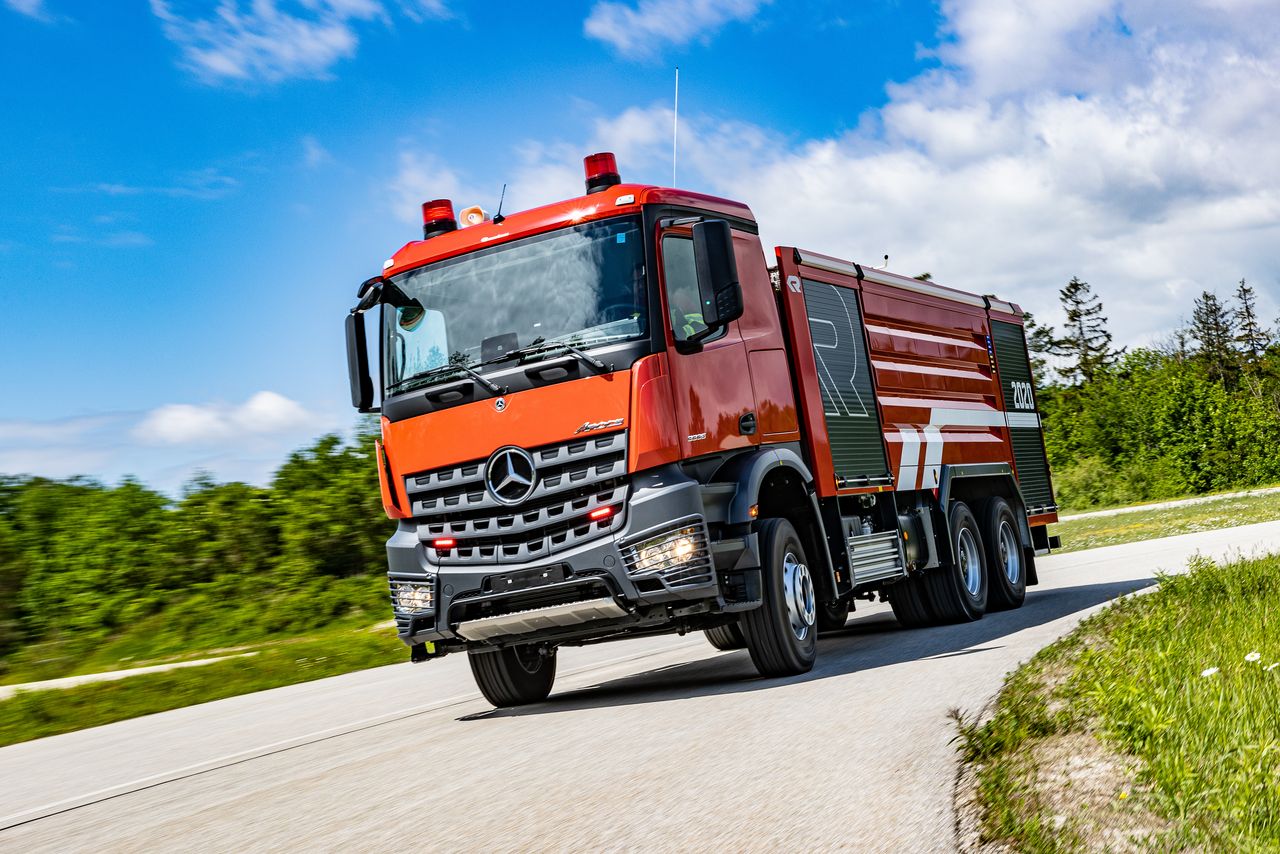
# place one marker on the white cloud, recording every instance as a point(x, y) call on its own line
point(1130, 142)
point(314, 155)
point(264, 413)
point(641, 30)
point(274, 40)
point(30, 8)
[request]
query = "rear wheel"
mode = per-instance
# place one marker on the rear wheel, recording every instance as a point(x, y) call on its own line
point(957, 593)
point(909, 603)
point(1006, 562)
point(726, 637)
point(514, 675)
point(782, 634)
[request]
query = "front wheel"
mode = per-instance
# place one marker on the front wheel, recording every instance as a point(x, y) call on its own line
point(782, 634)
point(514, 675)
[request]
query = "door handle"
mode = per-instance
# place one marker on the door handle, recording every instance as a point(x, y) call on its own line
point(747, 424)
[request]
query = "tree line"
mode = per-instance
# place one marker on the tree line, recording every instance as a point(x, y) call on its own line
point(81, 561)
point(1197, 412)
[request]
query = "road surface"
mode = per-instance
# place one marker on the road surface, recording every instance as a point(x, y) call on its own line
point(659, 743)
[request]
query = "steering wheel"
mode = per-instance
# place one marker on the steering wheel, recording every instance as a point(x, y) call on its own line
point(623, 310)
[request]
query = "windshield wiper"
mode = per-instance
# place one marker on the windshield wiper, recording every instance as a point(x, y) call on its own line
point(435, 374)
point(538, 348)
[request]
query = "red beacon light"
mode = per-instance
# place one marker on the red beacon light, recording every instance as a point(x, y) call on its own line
point(602, 171)
point(437, 218)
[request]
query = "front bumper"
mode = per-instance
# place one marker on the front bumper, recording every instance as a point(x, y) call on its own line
point(582, 590)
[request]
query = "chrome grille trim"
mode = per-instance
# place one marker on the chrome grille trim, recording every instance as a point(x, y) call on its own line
point(573, 479)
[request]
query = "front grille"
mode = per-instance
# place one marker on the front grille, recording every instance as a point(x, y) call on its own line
point(573, 479)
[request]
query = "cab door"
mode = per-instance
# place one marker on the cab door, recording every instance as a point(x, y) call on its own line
point(710, 379)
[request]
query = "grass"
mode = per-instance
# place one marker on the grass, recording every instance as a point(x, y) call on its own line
point(1112, 738)
point(35, 714)
point(1097, 531)
point(203, 625)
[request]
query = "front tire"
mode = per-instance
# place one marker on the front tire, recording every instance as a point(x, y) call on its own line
point(514, 675)
point(957, 593)
point(1006, 561)
point(782, 634)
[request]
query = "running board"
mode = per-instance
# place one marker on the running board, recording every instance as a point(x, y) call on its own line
point(876, 557)
point(537, 619)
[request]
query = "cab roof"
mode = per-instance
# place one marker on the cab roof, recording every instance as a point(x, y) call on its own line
point(613, 201)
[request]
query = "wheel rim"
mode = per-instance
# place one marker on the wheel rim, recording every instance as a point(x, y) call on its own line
point(1010, 554)
point(797, 584)
point(969, 561)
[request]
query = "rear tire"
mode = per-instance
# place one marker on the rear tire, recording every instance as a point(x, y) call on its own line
point(909, 603)
point(782, 634)
point(1006, 561)
point(726, 638)
point(513, 675)
point(957, 593)
point(831, 618)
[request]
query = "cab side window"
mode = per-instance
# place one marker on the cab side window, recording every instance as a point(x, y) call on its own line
point(684, 302)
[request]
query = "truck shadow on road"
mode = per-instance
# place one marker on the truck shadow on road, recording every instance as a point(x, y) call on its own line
point(868, 641)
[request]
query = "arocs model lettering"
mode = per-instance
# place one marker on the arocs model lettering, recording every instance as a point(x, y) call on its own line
point(777, 453)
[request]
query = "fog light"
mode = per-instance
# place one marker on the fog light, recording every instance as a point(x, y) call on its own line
point(412, 597)
point(668, 551)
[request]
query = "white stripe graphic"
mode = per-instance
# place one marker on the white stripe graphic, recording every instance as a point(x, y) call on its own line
point(932, 457)
point(908, 468)
point(966, 418)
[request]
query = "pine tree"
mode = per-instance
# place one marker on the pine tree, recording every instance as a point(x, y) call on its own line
point(1213, 328)
point(1251, 336)
point(1085, 343)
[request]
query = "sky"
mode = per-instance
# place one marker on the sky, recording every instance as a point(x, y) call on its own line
point(192, 189)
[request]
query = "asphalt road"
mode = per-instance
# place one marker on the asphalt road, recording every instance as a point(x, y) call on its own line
point(651, 744)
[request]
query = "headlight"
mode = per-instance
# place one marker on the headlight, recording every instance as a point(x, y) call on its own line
point(412, 597)
point(665, 552)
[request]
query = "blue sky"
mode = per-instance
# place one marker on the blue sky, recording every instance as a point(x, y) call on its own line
point(193, 189)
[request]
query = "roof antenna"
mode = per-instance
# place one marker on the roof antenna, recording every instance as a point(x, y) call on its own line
point(675, 128)
point(498, 217)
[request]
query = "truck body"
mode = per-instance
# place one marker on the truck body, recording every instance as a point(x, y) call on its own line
point(616, 415)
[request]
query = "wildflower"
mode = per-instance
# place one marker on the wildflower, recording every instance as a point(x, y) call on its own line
point(1124, 795)
point(1209, 671)
point(1253, 656)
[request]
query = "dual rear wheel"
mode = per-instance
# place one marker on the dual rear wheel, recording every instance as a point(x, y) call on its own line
point(987, 572)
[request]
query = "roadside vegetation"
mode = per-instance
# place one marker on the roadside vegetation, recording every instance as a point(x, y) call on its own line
point(1198, 413)
point(1227, 512)
point(94, 577)
point(1153, 726)
point(35, 714)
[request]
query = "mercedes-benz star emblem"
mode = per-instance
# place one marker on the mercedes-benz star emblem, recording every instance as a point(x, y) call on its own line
point(510, 475)
point(500, 404)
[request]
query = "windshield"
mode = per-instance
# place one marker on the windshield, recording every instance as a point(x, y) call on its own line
point(582, 285)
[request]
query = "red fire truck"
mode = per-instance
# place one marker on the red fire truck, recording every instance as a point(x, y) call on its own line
point(616, 416)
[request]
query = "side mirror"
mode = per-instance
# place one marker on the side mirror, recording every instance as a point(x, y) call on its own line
point(718, 286)
point(358, 364)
